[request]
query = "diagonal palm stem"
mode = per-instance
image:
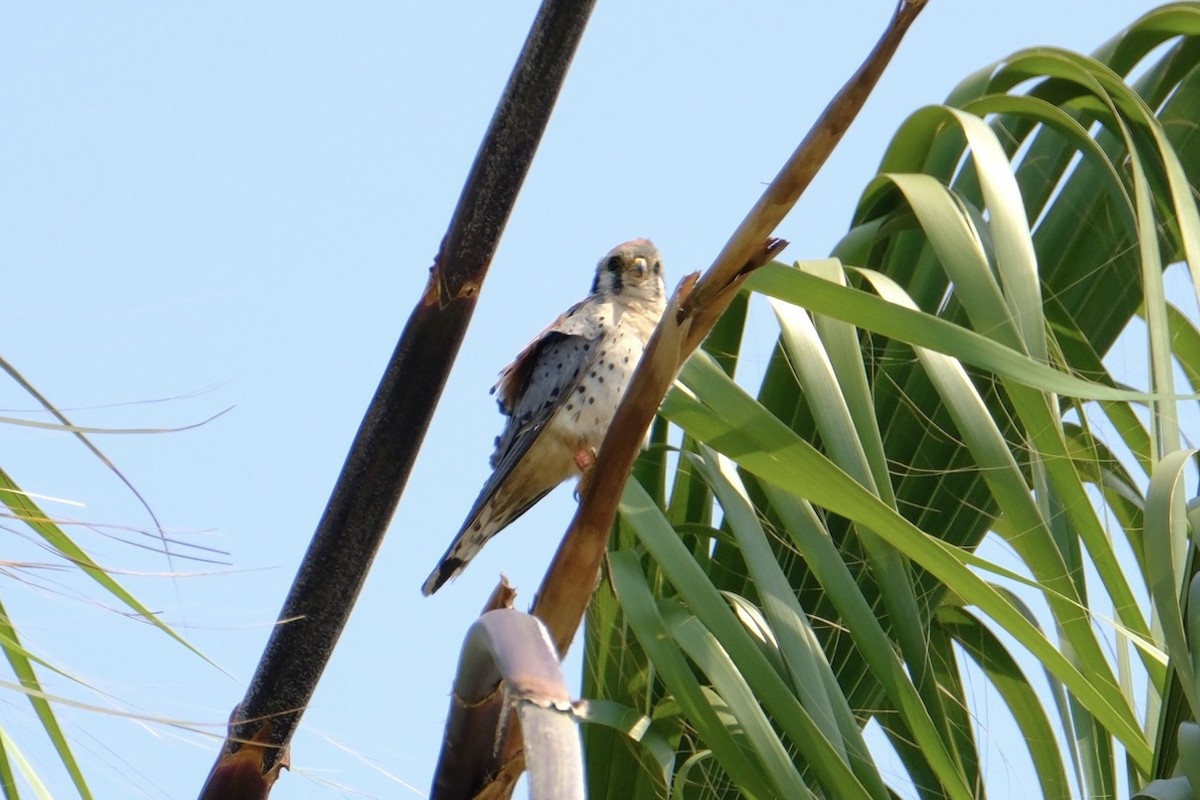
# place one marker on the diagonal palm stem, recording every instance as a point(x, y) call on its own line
point(694, 309)
point(377, 467)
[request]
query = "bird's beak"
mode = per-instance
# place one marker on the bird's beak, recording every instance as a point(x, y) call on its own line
point(639, 267)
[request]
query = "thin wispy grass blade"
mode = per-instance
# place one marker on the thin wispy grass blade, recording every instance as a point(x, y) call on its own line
point(24, 508)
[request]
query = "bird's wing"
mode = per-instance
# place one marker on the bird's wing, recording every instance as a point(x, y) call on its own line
point(541, 378)
point(551, 374)
point(575, 321)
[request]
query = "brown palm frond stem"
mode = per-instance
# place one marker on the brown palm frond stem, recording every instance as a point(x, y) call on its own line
point(695, 307)
point(372, 479)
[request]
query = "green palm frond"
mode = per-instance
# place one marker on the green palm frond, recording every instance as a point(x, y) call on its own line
point(810, 560)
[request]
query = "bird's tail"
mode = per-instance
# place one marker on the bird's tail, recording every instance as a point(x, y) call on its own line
point(482, 524)
point(453, 561)
point(446, 569)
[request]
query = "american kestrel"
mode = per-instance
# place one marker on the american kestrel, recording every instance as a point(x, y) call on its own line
point(560, 394)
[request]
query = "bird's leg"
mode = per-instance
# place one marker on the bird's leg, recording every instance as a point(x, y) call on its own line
point(585, 459)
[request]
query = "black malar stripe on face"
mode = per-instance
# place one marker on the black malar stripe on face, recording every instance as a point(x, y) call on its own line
point(614, 267)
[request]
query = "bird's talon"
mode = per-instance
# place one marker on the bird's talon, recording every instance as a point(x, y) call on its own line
point(585, 459)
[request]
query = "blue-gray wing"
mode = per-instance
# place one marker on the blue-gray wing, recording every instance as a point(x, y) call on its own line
point(532, 388)
point(549, 375)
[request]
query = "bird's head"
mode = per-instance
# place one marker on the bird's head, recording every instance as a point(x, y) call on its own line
point(632, 270)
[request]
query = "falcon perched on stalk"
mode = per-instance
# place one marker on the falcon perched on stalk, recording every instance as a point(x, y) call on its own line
point(560, 394)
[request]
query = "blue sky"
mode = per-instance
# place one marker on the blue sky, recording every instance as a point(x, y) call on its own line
point(227, 206)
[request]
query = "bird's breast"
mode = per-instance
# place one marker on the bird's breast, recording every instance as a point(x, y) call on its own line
point(585, 415)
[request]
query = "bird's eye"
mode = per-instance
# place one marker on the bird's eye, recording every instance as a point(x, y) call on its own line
point(614, 264)
point(658, 268)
